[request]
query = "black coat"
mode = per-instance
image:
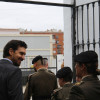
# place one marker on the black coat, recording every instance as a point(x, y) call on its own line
point(10, 81)
point(87, 89)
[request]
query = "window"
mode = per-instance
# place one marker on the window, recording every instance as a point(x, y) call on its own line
point(53, 36)
point(58, 46)
point(57, 36)
point(57, 42)
point(59, 51)
point(54, 51)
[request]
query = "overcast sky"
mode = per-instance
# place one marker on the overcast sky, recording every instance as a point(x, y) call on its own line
point(28, 16)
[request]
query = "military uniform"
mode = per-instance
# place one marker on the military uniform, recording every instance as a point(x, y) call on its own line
point(87, 89)
point(61, 93)
point(40, 86)
point(65, 77)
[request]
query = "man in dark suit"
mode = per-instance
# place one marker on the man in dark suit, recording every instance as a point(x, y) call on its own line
point(10, 75)
point(64, 76)
point(86, 68)
point(41, 83)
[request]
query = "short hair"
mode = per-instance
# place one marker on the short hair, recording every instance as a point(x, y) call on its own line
point(45, 61)
point(37, 58)
point(14, 44)
point(65, 73)
point(91, 67)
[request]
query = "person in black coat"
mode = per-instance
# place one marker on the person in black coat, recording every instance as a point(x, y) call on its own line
point(89, 86)
point(10, 75)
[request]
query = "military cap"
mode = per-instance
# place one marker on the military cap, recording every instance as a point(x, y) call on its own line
point(86, 57)
point(63, 72)
point(36, 59)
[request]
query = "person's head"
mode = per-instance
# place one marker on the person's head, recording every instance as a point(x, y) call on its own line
point(86, 63)
point(37, 61)
point(15, 50)
point(64, 75)
point(45, 62)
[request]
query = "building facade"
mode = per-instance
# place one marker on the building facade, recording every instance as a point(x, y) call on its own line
point(58, 41)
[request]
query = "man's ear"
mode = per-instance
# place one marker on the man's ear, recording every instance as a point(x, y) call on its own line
point(62, 79)
point(11, 51)
point(83, 67)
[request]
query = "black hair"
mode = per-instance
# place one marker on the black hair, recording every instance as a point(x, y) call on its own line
point(14, 44)
point(68, 77)
point(65, 73)
point(91, 67)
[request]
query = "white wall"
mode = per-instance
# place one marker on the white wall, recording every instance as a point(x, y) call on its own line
point(79, 2)
point(68, 31)
point(67, 35)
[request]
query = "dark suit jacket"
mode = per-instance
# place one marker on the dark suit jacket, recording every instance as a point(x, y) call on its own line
point(41, 84)
point(88, 89)
point(10, 81)
point(62, 93)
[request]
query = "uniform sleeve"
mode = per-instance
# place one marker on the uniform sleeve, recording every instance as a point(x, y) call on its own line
point(53, 96)
point(56, 85)
point(76, 94)
point(28, 90)
point(14, 83)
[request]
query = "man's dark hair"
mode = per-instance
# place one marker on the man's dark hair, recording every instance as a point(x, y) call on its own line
point(14, 44)
point(91, 67)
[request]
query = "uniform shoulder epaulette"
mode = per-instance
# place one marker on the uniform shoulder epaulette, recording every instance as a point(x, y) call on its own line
point(78, 83)
point(29, 76)
point(56, 90)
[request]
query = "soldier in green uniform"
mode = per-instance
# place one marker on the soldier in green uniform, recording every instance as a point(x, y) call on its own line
point(89, 86)
point(64, 76)
point(41, 83)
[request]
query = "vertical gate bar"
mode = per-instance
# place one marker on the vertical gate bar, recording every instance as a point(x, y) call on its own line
point(93, 4)
point(56, 64)
point(99, 28)
point(82, 30)
point(88, 43)
point(77, 32)
point(74, 40)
